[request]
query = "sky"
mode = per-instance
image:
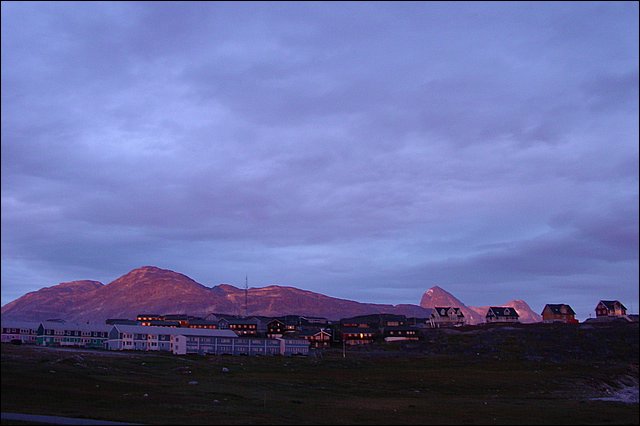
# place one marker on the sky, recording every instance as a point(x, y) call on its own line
point(366, 151)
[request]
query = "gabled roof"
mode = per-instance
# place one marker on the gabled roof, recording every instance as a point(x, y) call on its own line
point(611, 304)
point(556, 308)
point(503, 311)
point(444, 311)
point(312, 332)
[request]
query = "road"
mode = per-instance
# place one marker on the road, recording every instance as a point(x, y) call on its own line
point(57, 420)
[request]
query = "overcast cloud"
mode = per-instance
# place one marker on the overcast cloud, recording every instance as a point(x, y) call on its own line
point(366, 151)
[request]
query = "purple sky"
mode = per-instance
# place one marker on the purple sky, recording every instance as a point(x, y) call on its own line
point(366, 151)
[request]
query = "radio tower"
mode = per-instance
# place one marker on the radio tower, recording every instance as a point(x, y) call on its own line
point(246, 292)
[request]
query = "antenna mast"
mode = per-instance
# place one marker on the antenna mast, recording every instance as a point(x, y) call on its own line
point(246, 292)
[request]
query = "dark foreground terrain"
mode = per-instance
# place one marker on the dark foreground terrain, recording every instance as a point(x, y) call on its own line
point(535, 374)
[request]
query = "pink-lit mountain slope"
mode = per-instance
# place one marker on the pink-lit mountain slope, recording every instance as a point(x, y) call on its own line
point(50, 302)
point(437, 296)
point(153, 290)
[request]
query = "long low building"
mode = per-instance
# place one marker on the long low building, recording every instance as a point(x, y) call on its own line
point(181, 341)
point(87, 335)
point(24, 332)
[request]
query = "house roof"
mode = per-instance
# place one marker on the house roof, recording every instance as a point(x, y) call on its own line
point(374, 318)
point(176, 317)
point(54, 325)
point(242, 321)
point(20, 324)
point(401, 328)
point(352, 330)
point(312, 331)
point(556, 308)
point(503, 311)
point(202, 322)
point(443, 311)
point(139, 329)
point(164, 323)
point(611, 304)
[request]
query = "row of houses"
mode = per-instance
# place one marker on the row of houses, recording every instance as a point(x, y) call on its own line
point(179, 341)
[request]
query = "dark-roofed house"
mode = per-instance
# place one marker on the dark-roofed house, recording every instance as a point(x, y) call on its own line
point(275, 328)
point(610, 308)
point(558, 312)
point(447, 316)
point(502, 314)
point(317, 337)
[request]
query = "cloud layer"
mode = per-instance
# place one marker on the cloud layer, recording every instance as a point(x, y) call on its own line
point(366, 151)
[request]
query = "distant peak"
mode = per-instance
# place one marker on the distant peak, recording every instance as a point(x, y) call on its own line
point(149, 268)
point(227, 287)
point(80, 283)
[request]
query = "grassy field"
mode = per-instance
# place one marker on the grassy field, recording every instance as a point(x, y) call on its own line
point(524, 379)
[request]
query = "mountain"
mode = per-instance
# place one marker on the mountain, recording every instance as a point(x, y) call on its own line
point(437, 296)
point(154, 290)
point(527, 315)
point(50, 302)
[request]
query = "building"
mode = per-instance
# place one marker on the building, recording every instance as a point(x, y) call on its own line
point(377, 321)
point(112, 321)
point(150, 338)
point(318, 338)
point(447, 316)
point(24, 332)
point(394, 334)
point(199, 323)
point(53, 333)
point(182, 319)
point(502, 314)
point(243, 327)
point(202, 341)
point(610, 308)
point(292, 346)
point(558, 313)
point(145, 319)
point(276, 328)
point(358, 335)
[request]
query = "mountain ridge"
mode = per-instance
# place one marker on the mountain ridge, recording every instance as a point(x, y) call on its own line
point(151, 289)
